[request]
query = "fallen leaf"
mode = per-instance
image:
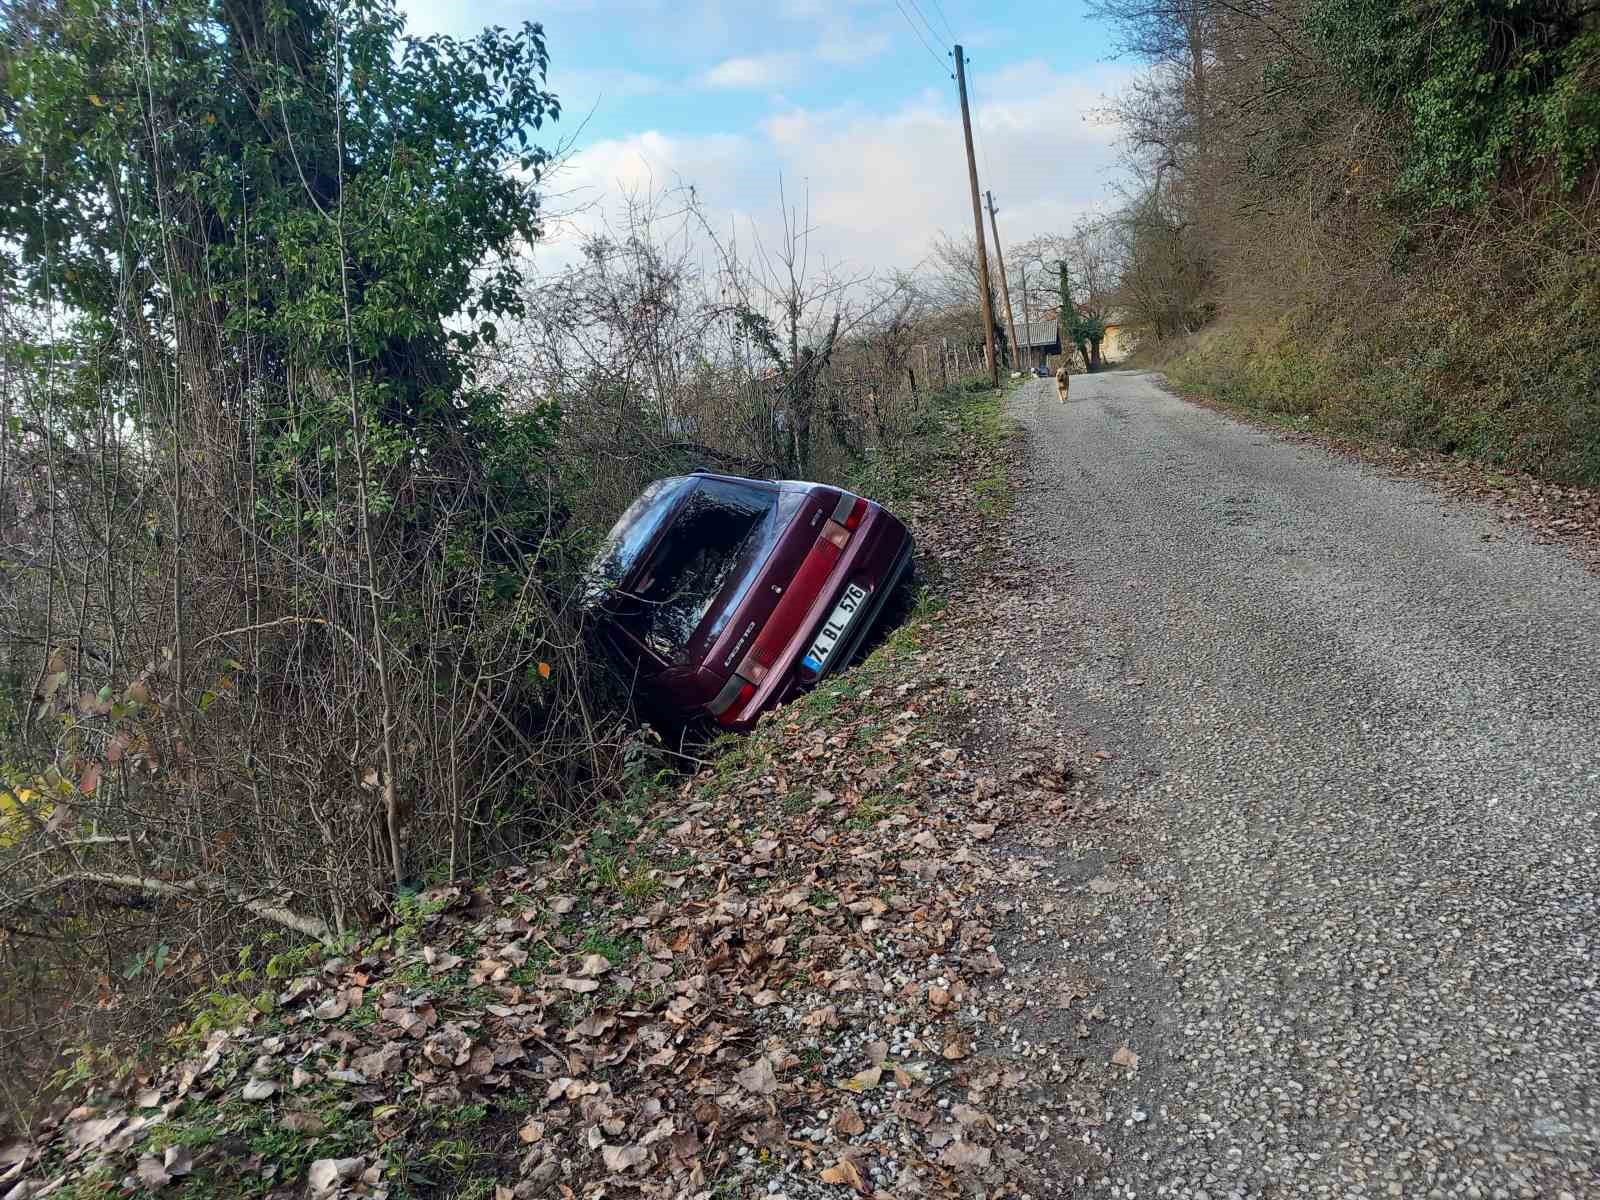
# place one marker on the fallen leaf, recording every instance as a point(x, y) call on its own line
point(594, 965)
point(968, 1115)
point(623, 1158)
point(412, 1021)
point(259, 1089)
point(845, 1172)
point(963, 1153)
point(439, 962)
point(302, 1122)
point(907, 1073)
point(759, 1077)
point(594, 1025)
point(450, 1046)
point(848, 1122)
point(1125, 1057)
point(661, 1130)
point(532, 1130)
point(151, 1172)
point(863, 1081)
point(179, 1161)
point(826, 1016)
point(385, 1060)
point(326, 1174)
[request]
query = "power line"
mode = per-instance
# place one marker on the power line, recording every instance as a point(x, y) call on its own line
point(932, 32)
point(938, 8)
point(931, 53)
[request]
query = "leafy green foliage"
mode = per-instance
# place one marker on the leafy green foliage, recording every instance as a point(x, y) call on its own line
point(1482, 85)
point(302, 150)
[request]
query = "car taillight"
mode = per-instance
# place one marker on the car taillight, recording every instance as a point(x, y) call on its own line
point(731, 714)
point(858, 510)
point(804, 588)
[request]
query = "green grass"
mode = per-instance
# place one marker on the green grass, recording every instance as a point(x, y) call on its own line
point(994, 496)
point(616, 950)
point(872, 809)
point(952, 415)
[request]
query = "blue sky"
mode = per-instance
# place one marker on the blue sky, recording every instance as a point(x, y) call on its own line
point(838, 97)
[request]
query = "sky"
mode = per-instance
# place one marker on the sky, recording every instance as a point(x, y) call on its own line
point(850, 103)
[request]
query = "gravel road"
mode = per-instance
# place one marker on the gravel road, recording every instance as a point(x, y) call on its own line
point(1346, 910)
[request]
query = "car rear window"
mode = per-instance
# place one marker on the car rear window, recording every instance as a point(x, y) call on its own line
point(631, 534)
point(711, 552)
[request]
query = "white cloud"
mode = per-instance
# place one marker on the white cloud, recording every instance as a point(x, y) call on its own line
point(753, 71)
point(842, 48)
point(880, 186)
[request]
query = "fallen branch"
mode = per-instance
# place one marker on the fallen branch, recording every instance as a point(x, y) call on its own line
point(310, 926)
point(58, 847)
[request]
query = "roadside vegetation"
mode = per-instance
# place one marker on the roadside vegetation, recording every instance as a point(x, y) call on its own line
point(300, 465)
point(683, 991)
point(1382, 218)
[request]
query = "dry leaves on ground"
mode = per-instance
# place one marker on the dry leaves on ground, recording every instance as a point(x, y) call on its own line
point(790, 980)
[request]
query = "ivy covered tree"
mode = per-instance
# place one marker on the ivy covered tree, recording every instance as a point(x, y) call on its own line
point(299, 177)
point(1481, 84)
point(310, 552)
point(1084, 331)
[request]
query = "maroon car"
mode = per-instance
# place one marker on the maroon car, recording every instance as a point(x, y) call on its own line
point(726, 596)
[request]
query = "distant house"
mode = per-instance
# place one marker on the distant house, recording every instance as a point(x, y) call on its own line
point(1118, 342)
point(1038, 341)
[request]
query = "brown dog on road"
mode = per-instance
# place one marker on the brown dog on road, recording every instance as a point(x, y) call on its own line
point(1062, 378)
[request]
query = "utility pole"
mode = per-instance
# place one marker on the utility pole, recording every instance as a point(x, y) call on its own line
point(1005, 289)
point(1027, 358)
point(977, 221)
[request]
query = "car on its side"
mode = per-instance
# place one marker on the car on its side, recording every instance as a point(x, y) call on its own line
point(725, 596)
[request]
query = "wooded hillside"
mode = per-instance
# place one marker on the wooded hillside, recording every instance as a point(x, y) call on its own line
point(1383, 215)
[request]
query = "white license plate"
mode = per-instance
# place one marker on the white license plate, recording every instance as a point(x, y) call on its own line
point(834, 629)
